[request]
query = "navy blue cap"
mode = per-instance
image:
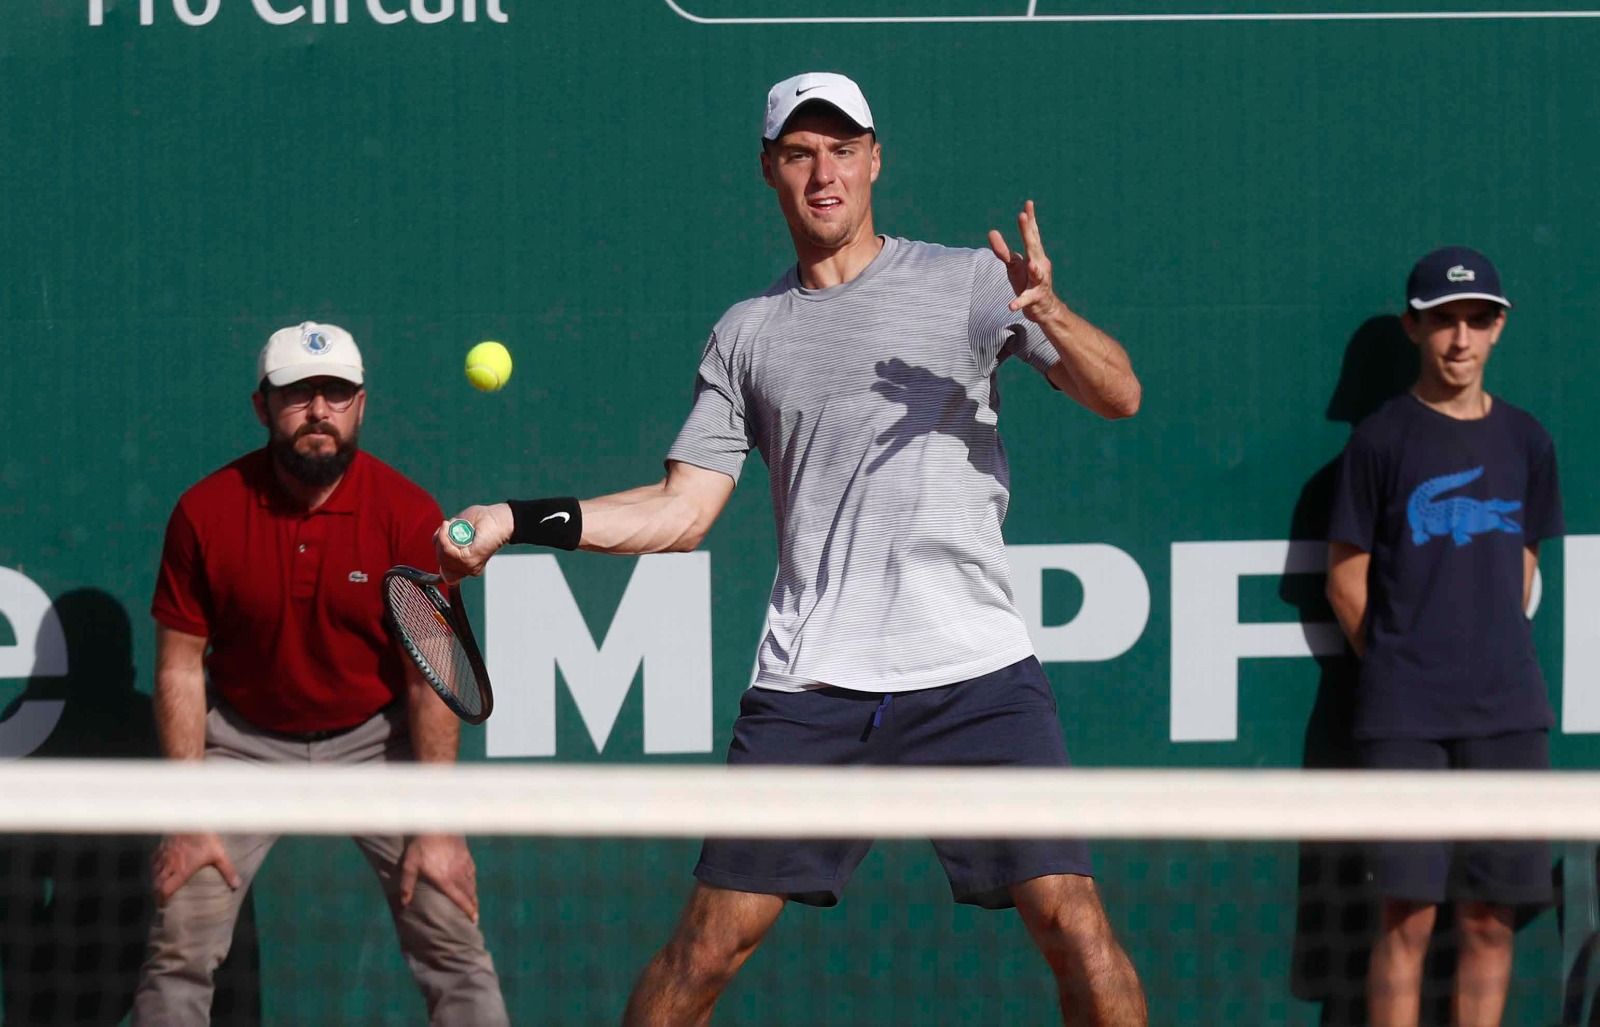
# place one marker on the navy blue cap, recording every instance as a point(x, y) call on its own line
point(1453, 273)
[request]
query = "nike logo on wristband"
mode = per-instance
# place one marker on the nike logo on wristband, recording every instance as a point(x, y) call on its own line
point(565, 517)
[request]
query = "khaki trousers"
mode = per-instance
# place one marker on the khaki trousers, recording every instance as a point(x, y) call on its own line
point(192, 932)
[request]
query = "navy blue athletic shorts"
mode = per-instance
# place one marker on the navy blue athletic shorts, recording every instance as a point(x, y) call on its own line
point(1004, 718)
point(1505, 873)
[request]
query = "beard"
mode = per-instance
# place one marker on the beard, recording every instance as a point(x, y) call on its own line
point(316, 470)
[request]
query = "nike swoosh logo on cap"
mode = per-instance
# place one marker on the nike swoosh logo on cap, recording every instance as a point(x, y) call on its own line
point(565, 517)
point(807, 89)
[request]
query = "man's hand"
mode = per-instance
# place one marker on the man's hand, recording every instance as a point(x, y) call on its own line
point(443, 861)
point(178, 857)
point(1029, 271)
point(1094, 368)
point(493, 526)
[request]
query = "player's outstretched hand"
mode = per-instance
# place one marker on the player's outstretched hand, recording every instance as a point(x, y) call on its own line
point(443, 861)
point(179, 856)
point(491, 529)
point(1029, 270)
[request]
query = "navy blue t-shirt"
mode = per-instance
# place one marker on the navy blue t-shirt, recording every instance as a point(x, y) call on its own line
point(1446, 507)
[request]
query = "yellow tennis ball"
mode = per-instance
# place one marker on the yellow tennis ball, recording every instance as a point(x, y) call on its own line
point(488, 366)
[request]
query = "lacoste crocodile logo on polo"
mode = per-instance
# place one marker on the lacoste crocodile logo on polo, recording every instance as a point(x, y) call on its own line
point(1461, 274)
point(357, 577)
point(1457, 517)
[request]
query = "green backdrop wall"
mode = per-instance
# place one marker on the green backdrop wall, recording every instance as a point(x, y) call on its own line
point(1237, 201)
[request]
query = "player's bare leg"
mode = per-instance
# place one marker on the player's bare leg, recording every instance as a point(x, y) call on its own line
point(1095, 980)
point(1394, 976)
point(1483, 969)
point(717, 932)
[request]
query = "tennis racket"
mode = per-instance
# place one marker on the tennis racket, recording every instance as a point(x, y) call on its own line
point(435, 634)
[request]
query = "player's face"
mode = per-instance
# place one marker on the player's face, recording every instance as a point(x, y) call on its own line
point(1454, 339)
point(822, 168)
point(313, 426)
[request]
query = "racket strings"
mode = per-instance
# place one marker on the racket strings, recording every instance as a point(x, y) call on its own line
point(436, 643)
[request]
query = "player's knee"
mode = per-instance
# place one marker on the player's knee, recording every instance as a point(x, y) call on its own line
point(1408, 925)
point(1066, 906)
point(1484, 926)
point(708, 956)
point(1076, 939)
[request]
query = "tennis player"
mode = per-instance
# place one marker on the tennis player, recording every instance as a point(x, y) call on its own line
point(271, 647)
point(1444, 495)
point(866, 376)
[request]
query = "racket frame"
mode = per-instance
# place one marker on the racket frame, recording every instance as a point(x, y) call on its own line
point(454, 618)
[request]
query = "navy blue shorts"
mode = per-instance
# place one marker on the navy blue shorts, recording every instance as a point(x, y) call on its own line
point(1509, 873)
point(1005, 718)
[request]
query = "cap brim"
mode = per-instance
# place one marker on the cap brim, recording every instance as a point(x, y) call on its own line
point(851, 116)
point(778, 120)
point(1417, 304)
point(300, 372)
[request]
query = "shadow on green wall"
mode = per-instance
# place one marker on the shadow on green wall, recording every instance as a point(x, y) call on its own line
point(1336, 912)
point(75, 909)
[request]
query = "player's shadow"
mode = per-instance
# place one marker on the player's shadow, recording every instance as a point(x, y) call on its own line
point(933, 404)
point(1336, 911)
point(75, 909)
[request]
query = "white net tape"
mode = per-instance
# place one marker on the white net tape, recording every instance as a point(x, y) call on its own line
point(689, 802)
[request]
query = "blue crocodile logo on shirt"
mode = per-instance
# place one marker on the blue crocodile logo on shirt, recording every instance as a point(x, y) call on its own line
point(1458, 516)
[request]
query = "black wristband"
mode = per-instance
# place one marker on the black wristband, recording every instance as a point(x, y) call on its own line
point(557, 523)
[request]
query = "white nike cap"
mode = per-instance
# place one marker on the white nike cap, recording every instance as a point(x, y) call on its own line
point(309, 350)
point(826, 87)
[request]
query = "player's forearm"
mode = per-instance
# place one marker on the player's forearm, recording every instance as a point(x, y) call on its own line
point(650, 519)
point(1096, 366)
point(672, 515)
point(435, 731)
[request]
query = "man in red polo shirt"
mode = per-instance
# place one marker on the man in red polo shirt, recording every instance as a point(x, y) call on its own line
point(271, 647)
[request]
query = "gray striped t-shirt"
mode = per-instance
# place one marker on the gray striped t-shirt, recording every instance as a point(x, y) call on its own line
point(875, 405)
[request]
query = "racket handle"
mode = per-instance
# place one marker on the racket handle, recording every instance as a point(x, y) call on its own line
point(461, 532)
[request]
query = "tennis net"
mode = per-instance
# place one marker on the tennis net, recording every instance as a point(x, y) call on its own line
point(1242, 896)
